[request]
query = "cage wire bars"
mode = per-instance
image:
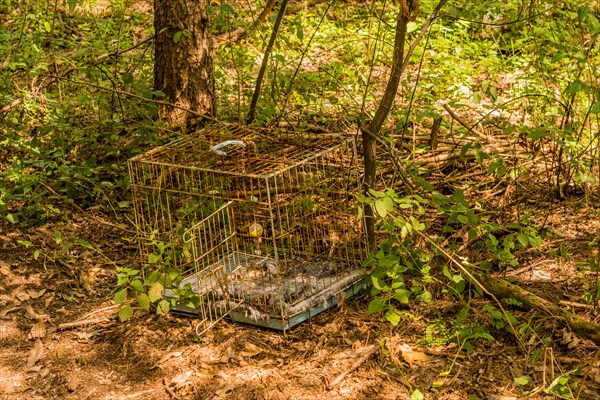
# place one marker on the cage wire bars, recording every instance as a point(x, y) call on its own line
point(264, 219)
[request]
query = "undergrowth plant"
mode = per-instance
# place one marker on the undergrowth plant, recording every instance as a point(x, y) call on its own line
point(145, 287)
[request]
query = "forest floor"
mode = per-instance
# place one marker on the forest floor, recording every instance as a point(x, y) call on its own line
point(152, 357)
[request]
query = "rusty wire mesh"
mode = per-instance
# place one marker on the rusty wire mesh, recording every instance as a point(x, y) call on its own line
point(267, 227)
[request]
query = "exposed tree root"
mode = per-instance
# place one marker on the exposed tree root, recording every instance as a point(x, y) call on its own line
point(503, 289)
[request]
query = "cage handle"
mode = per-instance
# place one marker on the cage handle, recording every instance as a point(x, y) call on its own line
point(216, 148)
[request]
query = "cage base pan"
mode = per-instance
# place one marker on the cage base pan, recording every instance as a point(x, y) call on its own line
point(284, 324)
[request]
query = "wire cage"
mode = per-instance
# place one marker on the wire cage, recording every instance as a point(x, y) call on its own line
point(264, 219)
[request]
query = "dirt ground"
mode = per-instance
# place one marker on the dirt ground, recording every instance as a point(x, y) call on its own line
point(60, 338)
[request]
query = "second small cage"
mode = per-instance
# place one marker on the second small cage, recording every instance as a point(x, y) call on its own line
point(268, 223)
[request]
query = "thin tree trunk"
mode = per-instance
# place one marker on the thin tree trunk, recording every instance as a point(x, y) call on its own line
point(369, 133)
point(263, 66)
point(183, 64)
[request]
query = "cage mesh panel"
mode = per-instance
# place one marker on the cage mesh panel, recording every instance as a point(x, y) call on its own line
point(297, 186)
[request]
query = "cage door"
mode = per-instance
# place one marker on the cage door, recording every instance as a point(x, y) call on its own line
point(211, 243)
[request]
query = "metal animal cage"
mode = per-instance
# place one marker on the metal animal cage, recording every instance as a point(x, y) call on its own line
point(265, 220)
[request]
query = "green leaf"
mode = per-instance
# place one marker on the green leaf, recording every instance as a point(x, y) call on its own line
point(151, 278)
point(143, 301)
point(522, 380)
point(376, 305)
point(158, 93)
point(120, 296)
point(595, 108)
point(574, 87)
point(72, 4)
point(177, 37)
point(381, 208)
point(83, 243)
point(12, 218)
point(137, 285)
point(379, 284)
point(402, 295)
point(47, 26)
point(125, 313)
point(389, 204)
point(417, 395)
point(535, 241)
point(122, 279)
point(163, 307)
point(377, 194)
point(523, 239)
point(153, 258)
point(393, 316)
point(423, 183)
point(155, 292)
point(425, 297)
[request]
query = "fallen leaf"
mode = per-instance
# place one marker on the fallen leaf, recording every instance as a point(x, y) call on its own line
point(38, 330)
point(35, 294)
point(250, 350)
point(48, 300)
point(4, 270)
point(180, 380)
point(229, 354)
point(86, 335)
point(34, 315)
point(36, 353)
point(166, 357)
point(410, 355)
point(5, 312)
point(72, 383)
point(23, 296)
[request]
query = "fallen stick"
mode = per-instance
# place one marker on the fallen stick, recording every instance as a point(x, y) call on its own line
point(367, 353)
point(503, 289)
point(74, 324)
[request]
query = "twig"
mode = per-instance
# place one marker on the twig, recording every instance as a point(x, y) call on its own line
point(77, 323)
point(574, 304)
point(10, 105)
point(464, 124)
point(367, 353)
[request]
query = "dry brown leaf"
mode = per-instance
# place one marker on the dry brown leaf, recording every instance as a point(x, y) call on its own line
point(48, 300)
point(36, 353)
point(35, 294)
point(250, 350)
point(22, 296)
point(4, 313)
point(34, 315)
point(38, 330)
point(410, 356)
point(180, 380)
point(166, 357)
point(229, 354)
point(5, 270)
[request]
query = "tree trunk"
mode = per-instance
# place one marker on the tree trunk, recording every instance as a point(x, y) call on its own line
point(368, 133)
point(183, 59)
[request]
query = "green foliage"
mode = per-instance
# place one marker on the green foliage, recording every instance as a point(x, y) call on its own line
point(400, 269)
point(67, 139)
point(145, 286)
point(562, 386)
